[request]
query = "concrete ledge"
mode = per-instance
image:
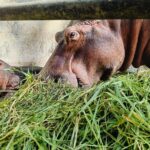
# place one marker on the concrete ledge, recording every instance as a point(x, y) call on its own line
point(76, 9)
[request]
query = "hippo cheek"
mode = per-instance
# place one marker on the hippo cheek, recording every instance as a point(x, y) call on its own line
point(82, 75)
point(87, 76)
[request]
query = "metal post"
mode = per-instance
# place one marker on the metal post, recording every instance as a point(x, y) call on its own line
point(76, 9)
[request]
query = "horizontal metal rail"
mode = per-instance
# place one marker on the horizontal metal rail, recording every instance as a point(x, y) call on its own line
point(76, 9)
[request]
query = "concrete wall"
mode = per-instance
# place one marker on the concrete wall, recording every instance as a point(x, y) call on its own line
point(24, 43)
point(28, 42)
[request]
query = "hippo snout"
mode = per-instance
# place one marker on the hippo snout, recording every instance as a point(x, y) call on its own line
point(65, 78)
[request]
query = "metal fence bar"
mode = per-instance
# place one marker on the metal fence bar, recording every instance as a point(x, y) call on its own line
point(76, 9)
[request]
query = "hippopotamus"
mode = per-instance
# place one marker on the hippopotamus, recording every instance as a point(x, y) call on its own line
point(93, 50)
point(8, 79)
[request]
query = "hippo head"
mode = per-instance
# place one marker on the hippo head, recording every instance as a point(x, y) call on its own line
point(86, 53)
point(13, 82)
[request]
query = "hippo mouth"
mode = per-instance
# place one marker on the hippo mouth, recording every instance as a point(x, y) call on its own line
point(79, 82)
point(70, 79)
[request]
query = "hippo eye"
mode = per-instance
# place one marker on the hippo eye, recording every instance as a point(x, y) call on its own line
point(74, 35)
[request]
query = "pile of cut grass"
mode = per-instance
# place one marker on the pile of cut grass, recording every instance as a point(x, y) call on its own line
point(111, 115)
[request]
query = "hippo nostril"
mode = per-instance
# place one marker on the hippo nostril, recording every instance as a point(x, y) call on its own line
point(54, 77)
point(57, 78)
point(80, 84)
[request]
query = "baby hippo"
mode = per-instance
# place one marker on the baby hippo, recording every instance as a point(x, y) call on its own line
point(8, 80)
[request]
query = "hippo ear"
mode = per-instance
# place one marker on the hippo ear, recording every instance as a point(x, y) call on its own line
point(96, 31)
point(115, 25)
point(59, 36)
